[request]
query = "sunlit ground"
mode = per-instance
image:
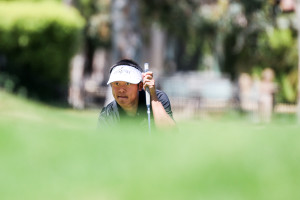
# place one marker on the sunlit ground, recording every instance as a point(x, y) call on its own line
point(52, 153)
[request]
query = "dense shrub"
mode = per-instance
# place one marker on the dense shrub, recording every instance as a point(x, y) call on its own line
point(37, 41)
point(278, 49)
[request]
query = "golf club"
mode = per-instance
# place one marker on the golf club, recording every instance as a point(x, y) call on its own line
point(146, 66)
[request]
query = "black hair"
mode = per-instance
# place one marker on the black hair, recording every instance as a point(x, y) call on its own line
point(128, 62)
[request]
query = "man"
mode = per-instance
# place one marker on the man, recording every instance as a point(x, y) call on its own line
point(128, 83)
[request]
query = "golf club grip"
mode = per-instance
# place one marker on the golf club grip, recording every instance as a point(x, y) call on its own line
point(147, 97)
point(146, 66)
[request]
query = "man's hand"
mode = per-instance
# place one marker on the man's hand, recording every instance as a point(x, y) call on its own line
point(161, 117)
point(148, 81)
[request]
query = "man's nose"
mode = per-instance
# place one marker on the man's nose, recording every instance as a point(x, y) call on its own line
point(122, 89)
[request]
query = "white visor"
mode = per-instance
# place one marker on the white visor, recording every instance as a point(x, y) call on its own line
point(125, 73)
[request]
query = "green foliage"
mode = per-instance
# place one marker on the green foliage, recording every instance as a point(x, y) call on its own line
point(31, 0)
point(87, 7)
point(287, 89)
point(277, 49)
point(38, 40)
point(229, 28)
point(97, 15)
point(281, 39)
point(252, 6)
point(182, 21)
point(256, 72)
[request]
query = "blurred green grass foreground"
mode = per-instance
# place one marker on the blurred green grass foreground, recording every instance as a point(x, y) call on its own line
point(55, 153)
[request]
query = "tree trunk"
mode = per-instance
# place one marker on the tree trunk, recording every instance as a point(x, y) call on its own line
point(158, 49)
point(126, 39)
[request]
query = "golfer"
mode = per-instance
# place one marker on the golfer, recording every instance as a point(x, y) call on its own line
point(128, 83)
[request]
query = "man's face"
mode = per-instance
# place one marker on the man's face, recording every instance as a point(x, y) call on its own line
point(126, 94)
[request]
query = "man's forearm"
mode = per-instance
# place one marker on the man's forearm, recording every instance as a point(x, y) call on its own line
point(161, 117)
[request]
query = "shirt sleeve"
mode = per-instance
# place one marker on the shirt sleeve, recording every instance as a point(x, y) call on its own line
point(109, 115)
point(163, 98)
point(102, 119)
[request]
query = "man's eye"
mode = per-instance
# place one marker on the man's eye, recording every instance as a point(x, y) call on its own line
point(117, 84)
point(128, 83)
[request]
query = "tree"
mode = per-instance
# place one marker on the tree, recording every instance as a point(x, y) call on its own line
point(126, 38)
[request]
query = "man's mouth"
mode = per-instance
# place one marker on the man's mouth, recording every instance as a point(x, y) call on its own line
point(122, 97)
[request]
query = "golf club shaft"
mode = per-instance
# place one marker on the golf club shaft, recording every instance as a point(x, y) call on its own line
point(146, 66)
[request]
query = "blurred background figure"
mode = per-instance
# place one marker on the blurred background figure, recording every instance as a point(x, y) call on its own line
point(267, 91)
point(248, 95)
point(245, 92)
point(75, 97)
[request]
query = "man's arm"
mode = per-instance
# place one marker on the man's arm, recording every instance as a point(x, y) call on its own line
point(109, 115)
point(161, 118)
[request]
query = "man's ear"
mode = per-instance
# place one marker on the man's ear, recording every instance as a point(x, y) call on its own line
point(140, 86)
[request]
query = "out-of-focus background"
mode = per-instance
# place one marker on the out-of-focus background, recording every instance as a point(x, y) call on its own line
point(229, 67)
point(207, 55)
